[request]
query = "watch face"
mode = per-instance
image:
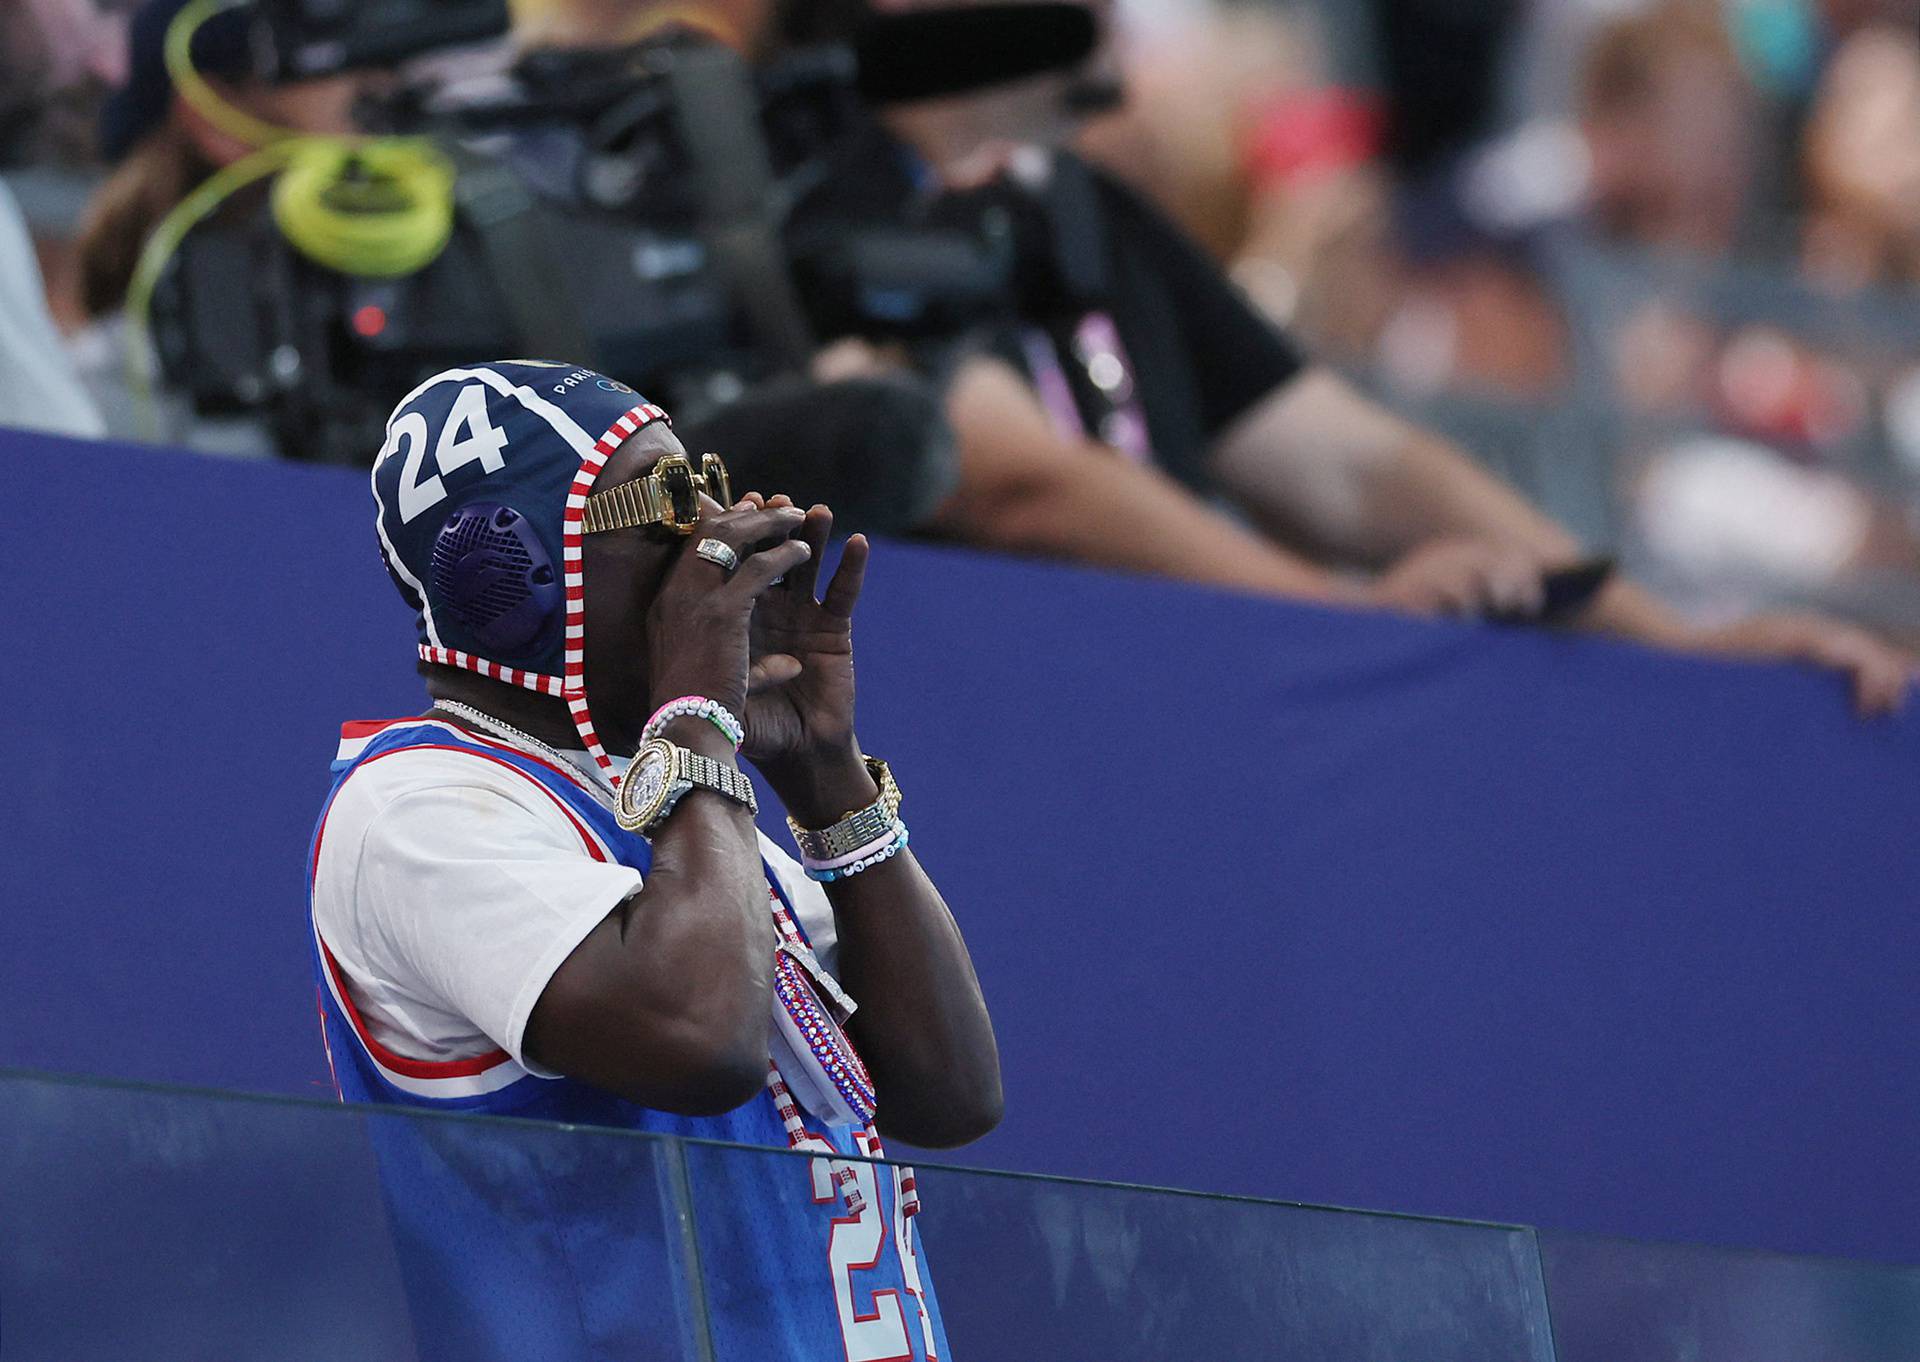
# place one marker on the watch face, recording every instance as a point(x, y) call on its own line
point(644, 786)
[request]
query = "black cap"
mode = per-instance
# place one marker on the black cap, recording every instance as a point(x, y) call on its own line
point(138, 107)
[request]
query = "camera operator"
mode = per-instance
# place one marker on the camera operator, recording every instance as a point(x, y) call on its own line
point(1154, 368)
point(472, 219)
point(844, 421)
point(160, 149)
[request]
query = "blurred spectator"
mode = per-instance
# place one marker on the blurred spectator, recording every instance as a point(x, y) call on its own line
point(1863, 163)
point(1670, 130)
point(1733, 514)
point(38, 387)
point(56, 57)
point(615, 23)
point(161, 147)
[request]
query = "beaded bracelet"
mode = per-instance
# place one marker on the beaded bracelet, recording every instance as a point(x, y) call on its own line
point(888, 834)
point(893, 848)
point(696, 707)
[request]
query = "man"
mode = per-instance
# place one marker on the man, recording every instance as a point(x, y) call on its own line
point(514, 913)
point(1130, 340)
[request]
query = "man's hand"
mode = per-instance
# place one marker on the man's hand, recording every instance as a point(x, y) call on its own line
point(698, 624)
point(1464, 577)
point(1881, 674)
point(922, 1026)
point(799, 713)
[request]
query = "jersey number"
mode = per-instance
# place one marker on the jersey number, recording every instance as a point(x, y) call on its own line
point(879, 1332)
point(467, 437)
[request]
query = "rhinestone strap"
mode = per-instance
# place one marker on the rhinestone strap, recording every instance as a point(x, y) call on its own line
point(717, 775)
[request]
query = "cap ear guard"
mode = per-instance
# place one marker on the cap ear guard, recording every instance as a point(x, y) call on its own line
point(494, 577)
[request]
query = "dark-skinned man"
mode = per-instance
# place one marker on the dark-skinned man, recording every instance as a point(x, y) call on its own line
point(546, 895)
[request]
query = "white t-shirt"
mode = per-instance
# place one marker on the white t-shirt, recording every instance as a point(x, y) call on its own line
point(449, 888)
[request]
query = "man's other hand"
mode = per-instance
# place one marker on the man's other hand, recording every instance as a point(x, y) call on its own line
point(1464, 577)
point(1881, 674)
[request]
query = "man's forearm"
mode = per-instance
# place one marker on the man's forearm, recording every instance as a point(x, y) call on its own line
point(1026, 489)
point(1433, 488)
point(665, 1001)
point(1118, 515)
point(1323, 464)
point(922, 1025)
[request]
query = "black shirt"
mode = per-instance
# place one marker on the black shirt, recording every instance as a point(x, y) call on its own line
point(1200, 354)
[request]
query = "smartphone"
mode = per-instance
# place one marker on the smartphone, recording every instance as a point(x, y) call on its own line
point(1566, 592)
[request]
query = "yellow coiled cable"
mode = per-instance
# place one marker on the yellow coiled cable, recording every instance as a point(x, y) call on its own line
point(375, 207)
point(380, 210)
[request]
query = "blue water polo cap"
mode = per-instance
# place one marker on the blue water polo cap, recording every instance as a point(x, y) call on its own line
point(480, 488)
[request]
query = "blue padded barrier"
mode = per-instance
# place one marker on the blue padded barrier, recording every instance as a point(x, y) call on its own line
point(1267, 899)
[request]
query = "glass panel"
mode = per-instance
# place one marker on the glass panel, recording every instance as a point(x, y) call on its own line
point(1044, 1268)
point(145, 1223)
point(142, 1222)
point(1619, 1301)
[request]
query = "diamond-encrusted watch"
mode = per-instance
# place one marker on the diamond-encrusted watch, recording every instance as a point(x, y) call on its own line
point(661, 773)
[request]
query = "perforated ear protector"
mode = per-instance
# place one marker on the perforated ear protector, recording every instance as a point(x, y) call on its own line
point(492, 573)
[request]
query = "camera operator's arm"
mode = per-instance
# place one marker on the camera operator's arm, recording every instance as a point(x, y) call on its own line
point(1026, 489)
point(1322, 464)
point(922, 1026)
point(1023, 488)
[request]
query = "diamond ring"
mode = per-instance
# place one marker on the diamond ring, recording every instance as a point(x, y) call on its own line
point(716, 552)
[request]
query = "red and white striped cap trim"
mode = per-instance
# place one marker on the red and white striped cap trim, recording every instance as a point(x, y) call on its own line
point(448, 657)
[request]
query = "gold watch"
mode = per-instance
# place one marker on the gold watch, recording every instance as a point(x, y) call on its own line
point(857, 827)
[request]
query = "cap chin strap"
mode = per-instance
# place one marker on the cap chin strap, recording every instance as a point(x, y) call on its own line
point(572, 685)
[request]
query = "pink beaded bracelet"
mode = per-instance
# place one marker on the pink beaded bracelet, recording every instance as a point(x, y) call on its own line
point(696, 707)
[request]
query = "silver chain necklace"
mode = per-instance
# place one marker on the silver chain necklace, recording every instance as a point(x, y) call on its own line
point(602, 787)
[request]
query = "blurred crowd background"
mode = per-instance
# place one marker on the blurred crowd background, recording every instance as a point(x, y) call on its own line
point(1653, 261)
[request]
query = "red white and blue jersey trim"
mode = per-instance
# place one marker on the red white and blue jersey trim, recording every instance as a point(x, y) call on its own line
point(510, 1253)
point(458, 1081)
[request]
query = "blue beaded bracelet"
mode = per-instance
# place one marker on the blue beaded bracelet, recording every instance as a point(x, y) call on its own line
point(892, 849)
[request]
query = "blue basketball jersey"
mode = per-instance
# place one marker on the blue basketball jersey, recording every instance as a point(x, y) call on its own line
point(521, 1244)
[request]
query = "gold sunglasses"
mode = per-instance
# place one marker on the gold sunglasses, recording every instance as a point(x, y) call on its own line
point(668, 494)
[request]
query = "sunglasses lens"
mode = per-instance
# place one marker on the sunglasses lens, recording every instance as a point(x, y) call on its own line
point(714, 474)
point(676, 480)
